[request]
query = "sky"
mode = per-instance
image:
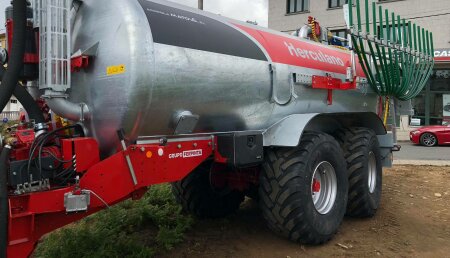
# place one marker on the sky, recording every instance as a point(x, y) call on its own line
point(253, 10)
point(3, 5)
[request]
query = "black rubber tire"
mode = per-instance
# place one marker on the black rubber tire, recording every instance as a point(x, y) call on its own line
point(357, 143)
point(285, 189)
point(197, 196)
point(429, 145)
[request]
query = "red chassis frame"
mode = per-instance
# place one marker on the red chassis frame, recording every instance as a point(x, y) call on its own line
point(35, 214)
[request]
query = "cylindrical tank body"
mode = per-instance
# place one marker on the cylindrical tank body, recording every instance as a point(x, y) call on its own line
point(156, 58)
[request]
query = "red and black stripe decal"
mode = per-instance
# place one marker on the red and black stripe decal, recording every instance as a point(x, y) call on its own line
point(290, 51)
point(176, 27)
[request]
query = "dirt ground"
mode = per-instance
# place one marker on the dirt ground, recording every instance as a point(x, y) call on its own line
point(413, 221)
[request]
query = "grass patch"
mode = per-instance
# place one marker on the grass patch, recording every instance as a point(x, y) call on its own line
point(141, 228)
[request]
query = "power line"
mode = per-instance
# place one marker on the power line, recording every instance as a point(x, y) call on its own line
point(407, 19)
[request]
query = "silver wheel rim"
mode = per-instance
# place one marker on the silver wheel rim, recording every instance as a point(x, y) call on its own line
point(429, 139)
point(324, 187)
point(372, 166)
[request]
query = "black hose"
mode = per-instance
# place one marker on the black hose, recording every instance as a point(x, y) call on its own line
point(27, 101)
point(15, 64)
point(9, 82)
point(4, 206)
point(29, 104)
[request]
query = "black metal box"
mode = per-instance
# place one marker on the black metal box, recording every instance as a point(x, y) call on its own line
point(241, 149)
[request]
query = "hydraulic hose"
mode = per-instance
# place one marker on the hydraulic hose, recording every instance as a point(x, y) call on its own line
point(29, 104)
point(4, 205)
point(15, 64)
point(9, 82)
point(27, 101)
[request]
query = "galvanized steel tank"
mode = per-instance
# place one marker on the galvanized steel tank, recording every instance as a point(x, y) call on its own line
point(156, 58)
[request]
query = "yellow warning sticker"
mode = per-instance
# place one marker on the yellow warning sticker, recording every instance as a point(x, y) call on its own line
point(115, 69)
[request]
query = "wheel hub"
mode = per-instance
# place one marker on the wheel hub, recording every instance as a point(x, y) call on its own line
point(316, 186)
point(372, 177)
point(429, 139)
point(324, 187)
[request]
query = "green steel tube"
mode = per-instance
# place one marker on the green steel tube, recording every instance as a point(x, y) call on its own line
point(358, 15)
point(432, 45)
point(402, 57)
point(367, 17)
point(361, 49)
point(381, 74)
point(410, 35)
point(419, 44)
point(407, 35)
point(419, 72)
point(412, 58)
point(361, 58)
point(424, 67)
point(388, 38)
point(430, 53)
point(393, 28)
point(413, 68)
point(379, 84)
point(424, 41)
point(388, 31)
point(418, 63)
point(399, 30)
point(427, 63)
point(399, 55)
point(350, 13)
point(366, 62)
point(406, 65)
point(395, 56)
point(374, 22)
point(383, 51)
point(381, 21)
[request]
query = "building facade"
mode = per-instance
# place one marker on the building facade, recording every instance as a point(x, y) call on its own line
point(3, 40)
point(432, 106)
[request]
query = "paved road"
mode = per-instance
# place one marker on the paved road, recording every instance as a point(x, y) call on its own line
point(410, 151)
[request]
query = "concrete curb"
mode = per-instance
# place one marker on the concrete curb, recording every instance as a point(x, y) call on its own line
point(438, 163)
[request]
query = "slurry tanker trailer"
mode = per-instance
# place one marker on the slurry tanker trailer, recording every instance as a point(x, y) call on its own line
point(121, 95)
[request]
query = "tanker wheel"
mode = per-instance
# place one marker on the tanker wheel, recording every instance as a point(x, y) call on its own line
point(197, 196)
point(304, 189)
point(362, 153)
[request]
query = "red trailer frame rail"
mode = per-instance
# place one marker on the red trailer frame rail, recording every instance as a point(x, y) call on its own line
point(104, 184)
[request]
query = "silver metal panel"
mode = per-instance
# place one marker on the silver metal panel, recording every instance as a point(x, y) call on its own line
point(121, 100)
point(77, 202)
point(386, 141)
point(288, 131)
point(386, 145)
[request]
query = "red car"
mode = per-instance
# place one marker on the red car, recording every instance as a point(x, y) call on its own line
point(431, 135)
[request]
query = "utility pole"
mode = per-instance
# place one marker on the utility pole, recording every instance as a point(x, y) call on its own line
point(200, 4)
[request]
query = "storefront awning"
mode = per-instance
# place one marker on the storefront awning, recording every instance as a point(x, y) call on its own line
point(442, 55)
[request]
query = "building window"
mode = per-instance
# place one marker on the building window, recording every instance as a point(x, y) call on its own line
point(295, 6)
point(336, 3)
point(342, 34)
point(13, 101)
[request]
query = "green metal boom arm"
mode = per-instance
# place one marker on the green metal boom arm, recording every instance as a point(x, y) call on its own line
point(399, 60)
